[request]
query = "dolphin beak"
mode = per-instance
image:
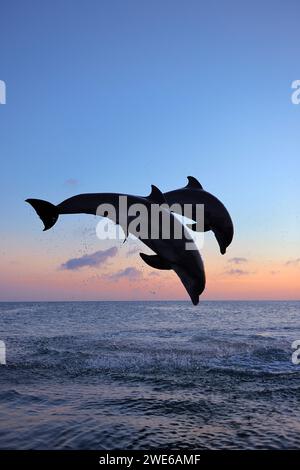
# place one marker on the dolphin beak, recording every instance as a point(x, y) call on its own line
point(193, 287)
point(222, 240)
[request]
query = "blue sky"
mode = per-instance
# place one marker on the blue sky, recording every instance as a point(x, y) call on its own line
point(118, 95)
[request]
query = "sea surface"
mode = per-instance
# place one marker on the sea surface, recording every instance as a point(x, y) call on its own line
point(144, 375)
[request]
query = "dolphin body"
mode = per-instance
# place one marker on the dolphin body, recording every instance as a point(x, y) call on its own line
point(216, 216)
point(170, 253)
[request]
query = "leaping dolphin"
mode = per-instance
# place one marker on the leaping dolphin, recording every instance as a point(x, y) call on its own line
point(216, 216)
point(171, 253)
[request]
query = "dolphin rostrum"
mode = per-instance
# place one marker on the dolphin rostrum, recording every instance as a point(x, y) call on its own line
point(216, 216)
point(171, 252)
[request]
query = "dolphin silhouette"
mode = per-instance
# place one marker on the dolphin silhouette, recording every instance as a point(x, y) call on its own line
point(216, 216)
point(171, 253)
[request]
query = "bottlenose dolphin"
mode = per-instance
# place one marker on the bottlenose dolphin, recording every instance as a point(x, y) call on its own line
point(216, 216)
point(171, 253)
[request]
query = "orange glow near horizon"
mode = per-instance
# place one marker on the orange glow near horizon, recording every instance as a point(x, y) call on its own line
point(34, 275)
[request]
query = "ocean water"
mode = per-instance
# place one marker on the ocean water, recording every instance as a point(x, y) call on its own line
point(143, 375)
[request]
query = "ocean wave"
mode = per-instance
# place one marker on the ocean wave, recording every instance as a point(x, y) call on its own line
point(139, 375)
point(65, 355)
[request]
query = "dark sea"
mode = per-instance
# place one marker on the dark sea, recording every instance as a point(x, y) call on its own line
point(144, 375)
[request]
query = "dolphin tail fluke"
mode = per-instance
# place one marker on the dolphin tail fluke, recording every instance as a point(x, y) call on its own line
point(47, 212)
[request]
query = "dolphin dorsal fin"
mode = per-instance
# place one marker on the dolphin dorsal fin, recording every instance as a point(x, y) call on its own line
point(156, 195)
point(193, 183)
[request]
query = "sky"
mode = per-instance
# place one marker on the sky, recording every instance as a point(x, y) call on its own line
point(117, 95)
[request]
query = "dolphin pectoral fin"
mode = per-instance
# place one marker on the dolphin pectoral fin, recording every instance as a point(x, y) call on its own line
point(155, 261)
point(193, 183)
point(124, 227)
point(125, 230)
point(46, 211)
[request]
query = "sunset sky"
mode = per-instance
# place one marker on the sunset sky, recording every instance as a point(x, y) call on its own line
point(118, 95)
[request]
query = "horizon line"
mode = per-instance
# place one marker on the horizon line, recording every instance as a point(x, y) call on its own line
point(152, 300)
